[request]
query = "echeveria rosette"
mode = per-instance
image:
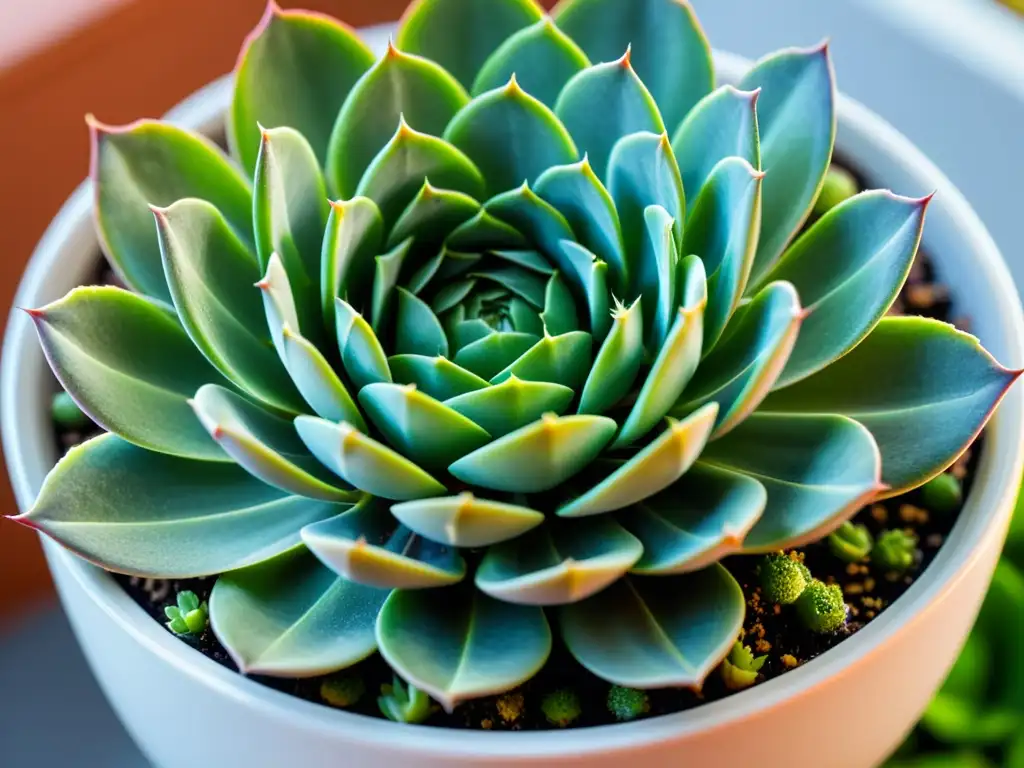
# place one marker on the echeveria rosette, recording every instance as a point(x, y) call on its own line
point(508, 335)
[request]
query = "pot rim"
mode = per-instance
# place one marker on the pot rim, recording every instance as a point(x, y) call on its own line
point(986, 512)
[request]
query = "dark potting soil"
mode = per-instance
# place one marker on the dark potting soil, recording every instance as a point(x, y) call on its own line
point(770, 630)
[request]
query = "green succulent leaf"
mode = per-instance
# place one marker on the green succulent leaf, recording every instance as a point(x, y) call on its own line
point(669, 631)
point(670, 52)
point(129, 364)
point(417, 329)
point(537, 457)
point(488, 356)
point(432, 215)
point(144, 513)
point(438, 377)
point(149, 163)
point(387, 268)
point(296, 70)
point(459, 644)
point(512, 404)
point(465, 520)
point(594, 276)
point(696, 522)
point(484, 231)
point(541, 223)
point(291, 617)
point(848, 269)
point(618, 361)
point(355, 234)
point(656, 274)
point(797, 125)
point(559, 315)
point(559, 563)
point(361, 352)
point(563, 359)
point(934, 375)
point(524, 283)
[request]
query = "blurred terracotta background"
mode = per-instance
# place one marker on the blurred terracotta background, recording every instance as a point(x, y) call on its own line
point(119, 59)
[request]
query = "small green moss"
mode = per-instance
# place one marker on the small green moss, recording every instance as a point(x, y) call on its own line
point(561, 707)
point(740, 668)
point(404, 703)
point(627, 703)
point(510, 706)
point(188, 616)
point(839, 185)
point(850, 543)
point(342, 690)
point(783, 579)
point(821, 607)
point(895, 550)
point(66, 413)
point(942, 494)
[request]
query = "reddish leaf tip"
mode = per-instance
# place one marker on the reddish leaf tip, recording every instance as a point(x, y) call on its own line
point(392, 51)
point(25, 520)
point(626, 61)
point(35, 314)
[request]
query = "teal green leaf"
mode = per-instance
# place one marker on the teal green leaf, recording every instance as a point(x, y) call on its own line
point(618, 361)
point(355, 234)
point(150, 163)
point(510, 136)
point(540, 222)
point(542, 57)
point(524, 317)
point(614, 91)
point(561, 360)
point(656, 274)
point(292, 617)
point(522, 282)
point(128, 363)
point(559, 314)
point(465, 520)
point(537, 457)
point(211, 274)
point(144, 513)
point(653, 469)
point(296, 70)
point(695, 523)
point(512, 404)
point(560, 563)
point(432, 215)
point(818, 470)
point(797, 125)
point(458, 644)
point(363, 462)
point(670, 52)
point(848, 269)
point(530, 260)
point(361, 352)
point(593, 274)
point(461, 36)
point(934, 375)
point(438, 377)
point(488, 356)
point(417, 329)
point(483, 232)
point(387, 268)
point(451, 294)
point(668, 632)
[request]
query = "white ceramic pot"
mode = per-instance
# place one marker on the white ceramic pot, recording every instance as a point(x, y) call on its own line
point(846, 709)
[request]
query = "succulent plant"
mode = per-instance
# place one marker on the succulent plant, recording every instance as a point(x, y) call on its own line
point(783, 578)
point(850, 542)
point(943, 493)
point(627, 703)
point(187, 616)
point(561, 708)
point(740, 668)
point(821, 607)
point(505, 325)
point(895, 550)
point(404, 703)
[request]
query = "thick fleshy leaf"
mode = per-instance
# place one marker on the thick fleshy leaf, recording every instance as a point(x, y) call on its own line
point(668, 632)
point(296, 70)
point(938, 390)
point(144, 513)
point(560, 563)
point(355, 234)
point(613, 90)
point(868, 244)
point(363, 462)
point(656, 274)
point(537, 457)
point(540, 222)
point(292, 617)
point(559, 314)
point(129, 364)
point(488, 356)
point(431, 216)
point(387, 268)
point(211, 274)
point(361, 352)
point(663, 461)
point(465, 520)
point(484, 231)
point(561, 360)
point(264, 444)
point(417, 329)
point(818, 470)
point(722, 229)
point(461, 36)
point(512, 404)
point(723, 124)
point(618, 361)
point(670, 53)
point(593, 275)
point(458, 644)
point(510, 136)
point(701, 519)
point(542, 57)
point(797, 125)
point(438, 377)
point(367, 546)
point(150, 163)
point(522, 282)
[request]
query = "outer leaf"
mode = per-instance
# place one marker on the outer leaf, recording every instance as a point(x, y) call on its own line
point(130, 366)
point(466, 521)
point(143, 513)
point(361, 352)
point(671, 54)
point(296, 69)
point(512, 404)
point(292, 617)
point(355, 234)
point(561, 360)
point(935, 375)
point(438, 377)
point(151, 163)
point(618, 361)
point(668, 632)
point(458, 644)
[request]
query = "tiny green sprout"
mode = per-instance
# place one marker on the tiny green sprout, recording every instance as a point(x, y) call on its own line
point(942, 493)
point(342, 690)
point(821, 607)
point(783, 579)
point(740, 667)
point(850, 542)
point(895, 550)
point(627, 703)
point(838, 186)
point(404, 704)
point(66, 413)
point(561, 707)
point(189, 616)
